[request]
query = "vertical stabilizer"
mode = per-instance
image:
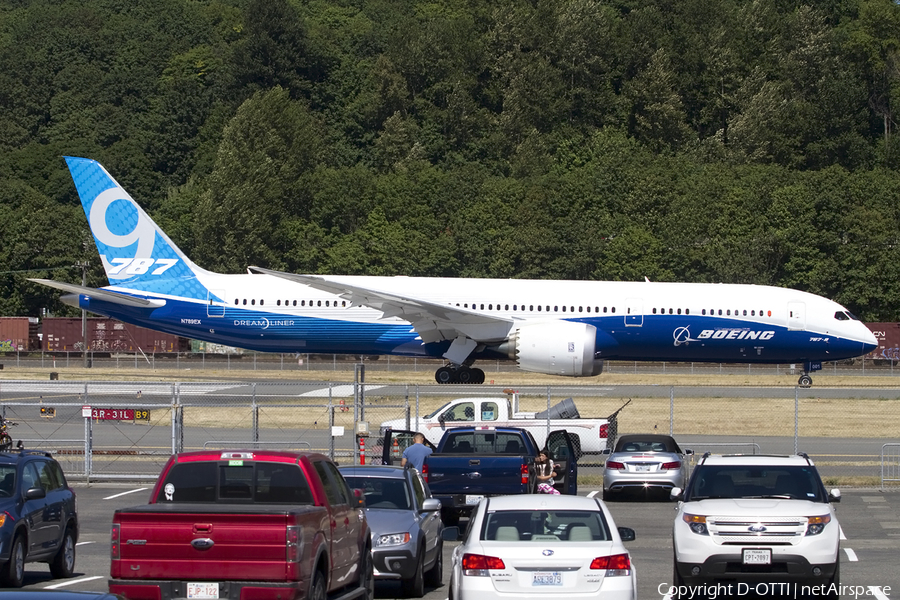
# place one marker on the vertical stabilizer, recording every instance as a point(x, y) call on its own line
point(135, 252)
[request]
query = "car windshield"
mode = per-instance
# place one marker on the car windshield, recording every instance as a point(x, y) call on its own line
point(262, 482)
point(7, 480)
point(652, 444)
point(431, 414)
point(741, 481)
point(382, 492)
point(544, 526)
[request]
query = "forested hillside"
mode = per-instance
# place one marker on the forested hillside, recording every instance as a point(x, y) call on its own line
point(681, 140)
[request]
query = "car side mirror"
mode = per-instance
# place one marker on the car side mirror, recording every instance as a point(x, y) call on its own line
point(834, 495)
point(688, 452)
point(606, 451)
point(35, 493)
point(627, 534)
point(443, 421)
point(450, 534)
point(431, 505)
point(359, 496)
point(676, 493)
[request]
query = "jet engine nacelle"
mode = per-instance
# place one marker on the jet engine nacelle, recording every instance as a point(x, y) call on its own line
point(555, 348)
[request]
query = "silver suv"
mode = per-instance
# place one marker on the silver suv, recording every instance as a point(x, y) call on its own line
point(753, 520)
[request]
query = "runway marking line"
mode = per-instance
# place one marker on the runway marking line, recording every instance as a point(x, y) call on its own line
point(125, 493)
point(851, 555)
point(72, 582)
point(594, 493)
point(876, 591)
point(83, 543)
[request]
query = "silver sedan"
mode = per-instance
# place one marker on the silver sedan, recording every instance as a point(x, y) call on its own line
point(535, 546)
point(406, 525)
point(644, 463)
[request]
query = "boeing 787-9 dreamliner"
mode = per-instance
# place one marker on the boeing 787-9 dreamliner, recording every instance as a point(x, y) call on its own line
point(565, 328)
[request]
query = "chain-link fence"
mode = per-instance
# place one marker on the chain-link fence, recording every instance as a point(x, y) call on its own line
point(268, 361)
point(129, 429)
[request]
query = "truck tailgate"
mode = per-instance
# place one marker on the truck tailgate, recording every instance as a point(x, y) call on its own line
point(478, 475)
point(155, 542)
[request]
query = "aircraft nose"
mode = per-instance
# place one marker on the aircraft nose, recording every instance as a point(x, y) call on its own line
point(870, 342)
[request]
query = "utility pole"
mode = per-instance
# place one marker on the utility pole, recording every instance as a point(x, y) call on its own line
point(84, 344)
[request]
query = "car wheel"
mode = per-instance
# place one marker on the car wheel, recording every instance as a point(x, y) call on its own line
point(63, 564)
point(414, 587)
point(834, 583)
point(677, 580)
point(317, 590)
point(13, 574)
point(435, 574)
point(609, 495)
point(369, 575)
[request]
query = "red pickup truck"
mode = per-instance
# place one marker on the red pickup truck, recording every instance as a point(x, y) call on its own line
point(244, 525)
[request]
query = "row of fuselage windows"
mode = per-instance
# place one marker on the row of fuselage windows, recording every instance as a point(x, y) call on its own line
point(325, 303)
point(519, 307)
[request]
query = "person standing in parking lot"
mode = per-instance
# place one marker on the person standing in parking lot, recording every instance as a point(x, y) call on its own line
point(415, 454)
point(545, 471)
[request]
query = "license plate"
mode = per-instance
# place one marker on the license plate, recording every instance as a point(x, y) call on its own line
point(642, 468)
point(554, 578)
point(757, 556)
point(473, 499)
point(203, 591)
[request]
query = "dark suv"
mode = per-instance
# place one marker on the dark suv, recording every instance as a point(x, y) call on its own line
point(38, 518)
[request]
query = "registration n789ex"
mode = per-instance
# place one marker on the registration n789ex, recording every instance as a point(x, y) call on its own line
point(539, 546)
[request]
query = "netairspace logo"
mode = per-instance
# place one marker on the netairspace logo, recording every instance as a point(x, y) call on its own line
point(776, 590)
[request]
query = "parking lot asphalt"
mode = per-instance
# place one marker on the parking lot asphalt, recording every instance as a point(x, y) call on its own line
point(869, 519)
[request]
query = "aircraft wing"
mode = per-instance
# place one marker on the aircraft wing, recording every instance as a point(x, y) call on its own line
point(433, 322)
point(106, 295)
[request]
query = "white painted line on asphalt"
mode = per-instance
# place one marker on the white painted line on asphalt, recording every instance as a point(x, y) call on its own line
point(83, 543)
point(125, 493)
point(876, 591)
point(841, 530)
point(594, 493)
point(851, 555)
point(72, 582)
point(337, 391)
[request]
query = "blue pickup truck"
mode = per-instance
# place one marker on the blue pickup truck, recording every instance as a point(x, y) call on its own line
point(471, 463)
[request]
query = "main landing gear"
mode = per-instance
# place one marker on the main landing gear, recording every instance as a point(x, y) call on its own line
point(459, 374)
point(805, 381)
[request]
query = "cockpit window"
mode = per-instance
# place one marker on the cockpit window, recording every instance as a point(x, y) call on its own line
point(851, 315)
point(841, 316)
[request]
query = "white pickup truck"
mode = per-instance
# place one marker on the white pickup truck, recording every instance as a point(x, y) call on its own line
point(591, 435)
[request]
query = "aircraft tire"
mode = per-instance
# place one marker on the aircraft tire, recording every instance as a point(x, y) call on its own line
point(805, 381)
point(445, 375)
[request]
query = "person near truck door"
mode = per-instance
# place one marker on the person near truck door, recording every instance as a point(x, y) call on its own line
point(415, 454)
point(545, 468)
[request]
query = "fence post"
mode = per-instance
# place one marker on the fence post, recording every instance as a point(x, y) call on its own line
point(547, 432)
point(88, 438)
point(672, 410)
point(330, 424)
point(255, 411)
point(796, 419)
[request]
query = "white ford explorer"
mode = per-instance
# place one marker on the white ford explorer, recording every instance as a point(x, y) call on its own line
point(751, 520)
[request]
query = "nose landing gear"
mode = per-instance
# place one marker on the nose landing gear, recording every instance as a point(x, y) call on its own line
point(805, 380)
point(459, 374)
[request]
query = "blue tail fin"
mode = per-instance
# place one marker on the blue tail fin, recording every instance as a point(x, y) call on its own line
point(135, 252)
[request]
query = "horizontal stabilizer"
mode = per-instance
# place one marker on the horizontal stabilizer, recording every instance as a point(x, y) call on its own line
point(106, 295)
